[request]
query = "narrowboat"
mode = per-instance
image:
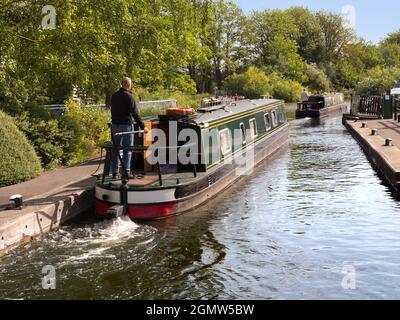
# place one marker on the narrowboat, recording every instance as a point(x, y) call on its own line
point(189, 157)
point(322, 105)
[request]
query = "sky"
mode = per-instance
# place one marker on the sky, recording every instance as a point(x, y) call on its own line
point(373, 19)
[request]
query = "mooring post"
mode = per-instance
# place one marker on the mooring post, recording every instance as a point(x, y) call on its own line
point(389, 142)
point(18, 201)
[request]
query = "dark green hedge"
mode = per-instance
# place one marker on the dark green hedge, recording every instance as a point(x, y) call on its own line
point(18, 160)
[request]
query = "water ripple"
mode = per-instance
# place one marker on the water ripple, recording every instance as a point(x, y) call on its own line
point(286, 232)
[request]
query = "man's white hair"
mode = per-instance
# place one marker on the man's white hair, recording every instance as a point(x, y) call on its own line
point(126, 82)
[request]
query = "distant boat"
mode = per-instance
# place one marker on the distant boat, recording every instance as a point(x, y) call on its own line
point(321, 105)
point(225, 131)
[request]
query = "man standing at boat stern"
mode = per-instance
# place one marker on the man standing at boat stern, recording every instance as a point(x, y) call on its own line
point(304, 95)
point(123, 110)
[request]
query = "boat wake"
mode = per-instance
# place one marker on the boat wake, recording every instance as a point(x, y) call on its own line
point(97, 240)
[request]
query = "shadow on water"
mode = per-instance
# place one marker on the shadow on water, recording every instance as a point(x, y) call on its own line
point(285, 231)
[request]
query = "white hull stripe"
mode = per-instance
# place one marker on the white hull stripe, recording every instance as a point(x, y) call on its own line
point(137, 197)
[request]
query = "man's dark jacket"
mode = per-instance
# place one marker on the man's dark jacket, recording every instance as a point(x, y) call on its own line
point(124, 108)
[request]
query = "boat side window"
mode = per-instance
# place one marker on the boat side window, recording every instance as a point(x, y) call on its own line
point(267, 121)
point(253, 128)
point(243, 131)
point(281, 116)
point(274, 119)
point(225, 139)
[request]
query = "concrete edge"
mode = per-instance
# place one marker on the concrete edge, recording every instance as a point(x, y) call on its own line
point(44, 219)
point(380, 163)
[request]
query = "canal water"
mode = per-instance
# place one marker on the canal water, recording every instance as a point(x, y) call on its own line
point(314, 223)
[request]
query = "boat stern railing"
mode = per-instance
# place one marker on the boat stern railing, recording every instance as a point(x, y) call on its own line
point(111, 147)
point(307, 105)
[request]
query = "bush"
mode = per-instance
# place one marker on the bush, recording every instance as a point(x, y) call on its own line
point(93, 128)
point(285, 89)
point(18, 160)
point(256, 83)
point(378, 80)
point(317, 79)
point(184, 84)
point(54, 139)
point(66, 140)
point(252, 84)
point(346, 75)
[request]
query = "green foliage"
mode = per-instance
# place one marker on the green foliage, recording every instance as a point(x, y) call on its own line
point(309, 38)
point(93, 129)
point(184, 84)
point(255, 83)
point(317, 79)
point(252, 84)
point(284, 59)
point(54, 139)
point(66, 140)
point(393, 38)
point(18, 160)
point(346, 75)
point(335, 36)
point(362, 56)
point(390, 54)
point(285, 89)
point(378, 80)
point(171, 50)
point(183, 99)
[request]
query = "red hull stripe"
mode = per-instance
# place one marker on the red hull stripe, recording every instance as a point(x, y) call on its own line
point(139, 212)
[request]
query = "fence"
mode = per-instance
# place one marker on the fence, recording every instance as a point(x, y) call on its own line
point(144, 106)
point(368, 106)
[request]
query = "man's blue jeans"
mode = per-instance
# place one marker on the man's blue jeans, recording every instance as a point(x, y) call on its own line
point(124, 141)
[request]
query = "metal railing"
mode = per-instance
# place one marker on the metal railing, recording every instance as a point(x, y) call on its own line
point(59, 109)
point(110, 147)
point(307, 105)
point(158, 103)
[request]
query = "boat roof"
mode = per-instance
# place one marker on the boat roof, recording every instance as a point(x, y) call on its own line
point(232, 108)
point(326, 94)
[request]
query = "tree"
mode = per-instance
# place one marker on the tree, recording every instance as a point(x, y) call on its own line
point(284, 59)
point(393, 38)
point(378, 80)
point(309, 38)
point(224, 39)
point(390, 53)
point(335, 36)
point(358, 57)
point(265, 27)
point(273, 35)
